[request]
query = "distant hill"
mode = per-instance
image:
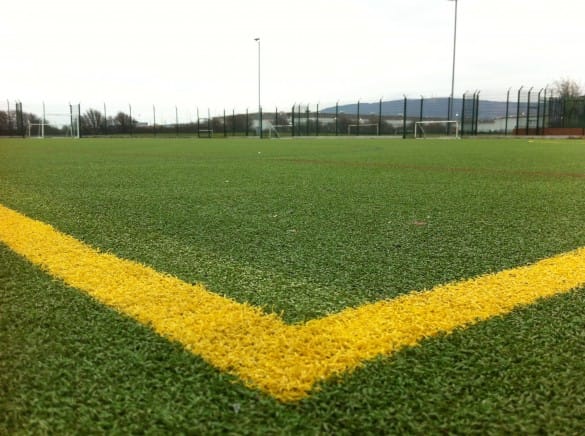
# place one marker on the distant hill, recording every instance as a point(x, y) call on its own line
point(432, 108)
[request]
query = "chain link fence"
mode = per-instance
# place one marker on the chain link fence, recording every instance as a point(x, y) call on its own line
point(522, 111)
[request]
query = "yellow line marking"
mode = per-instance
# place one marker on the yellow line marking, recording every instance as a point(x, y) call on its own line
point(286, 361)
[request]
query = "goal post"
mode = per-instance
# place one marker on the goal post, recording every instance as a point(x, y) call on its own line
point(436, 129)
point(75, 113)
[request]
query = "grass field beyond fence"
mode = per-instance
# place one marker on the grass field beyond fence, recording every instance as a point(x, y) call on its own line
point(303, 229)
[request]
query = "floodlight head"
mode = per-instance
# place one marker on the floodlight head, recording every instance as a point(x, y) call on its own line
point(256, 39)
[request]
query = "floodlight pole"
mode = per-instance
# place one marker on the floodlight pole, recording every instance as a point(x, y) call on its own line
point(451, 102)
point(259, 101)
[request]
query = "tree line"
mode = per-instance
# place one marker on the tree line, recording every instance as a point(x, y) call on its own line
point(95, 122)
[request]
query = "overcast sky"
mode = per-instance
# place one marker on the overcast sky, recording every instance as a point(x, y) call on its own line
point(203, 53)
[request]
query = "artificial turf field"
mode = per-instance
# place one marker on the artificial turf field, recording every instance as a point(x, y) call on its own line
point(303, 229)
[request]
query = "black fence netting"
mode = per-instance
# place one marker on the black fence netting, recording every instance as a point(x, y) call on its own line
point(522, 111)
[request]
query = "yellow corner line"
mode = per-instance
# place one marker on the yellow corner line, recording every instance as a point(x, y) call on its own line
point(283, 360)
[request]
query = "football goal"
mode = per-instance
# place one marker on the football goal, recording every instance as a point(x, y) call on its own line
point(363, 129)
point(436, 129)
point(56, 124)
point(280, 130)
point(204, 129)
point(204, 125)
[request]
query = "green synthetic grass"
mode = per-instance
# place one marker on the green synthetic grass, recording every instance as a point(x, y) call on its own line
point(304, 228)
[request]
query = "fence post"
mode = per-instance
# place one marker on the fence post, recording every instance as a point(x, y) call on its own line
point(247, 122)
point(317, 121)
point(476, 117)
point(131, 120)
point(582, 112)
point(528, 111)
point(80, 122)
point(463, 114)
point(260, 120)
point(224, 124)
point(507, 112)
point(233, 125)
point(380, 118)
point(307, 121)
point(404, 119)
point(518, 110)
point(44, 122)
point(299, 121)
point(538, 113)
point(544, 109)
point(20, 120)
point(357, 129)
point(471, 128)
point(154, 120)
point(198, 125)
point(292, 115)
point(337, 118)
point(9, 126)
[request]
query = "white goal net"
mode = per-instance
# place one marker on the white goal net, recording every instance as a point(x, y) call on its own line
point(436, 129)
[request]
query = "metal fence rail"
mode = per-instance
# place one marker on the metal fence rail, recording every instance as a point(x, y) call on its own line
point(522, 111)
